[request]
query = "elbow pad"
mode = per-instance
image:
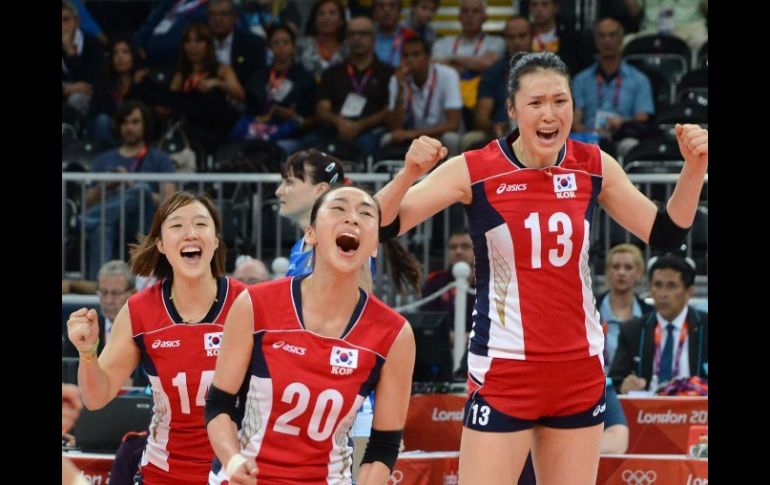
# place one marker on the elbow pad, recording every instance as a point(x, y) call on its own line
point(383, 447)
point(665, 235)
point(218, 402)
point(391, 230)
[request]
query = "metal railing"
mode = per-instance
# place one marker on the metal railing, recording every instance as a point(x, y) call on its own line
point(250, 217)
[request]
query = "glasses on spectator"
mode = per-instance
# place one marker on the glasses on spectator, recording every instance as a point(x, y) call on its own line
point(113, 293)
point(363, 33)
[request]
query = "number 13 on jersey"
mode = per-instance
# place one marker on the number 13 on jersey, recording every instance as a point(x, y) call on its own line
point(560, 224)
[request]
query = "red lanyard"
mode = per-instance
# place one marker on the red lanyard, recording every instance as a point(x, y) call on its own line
point(679, 348)
point(136, 165)
point(192, 81)
point(396, 45)
point(409, 109)
point(273, 83)
point(475, 49)
point(359, 87)
point(615, 92)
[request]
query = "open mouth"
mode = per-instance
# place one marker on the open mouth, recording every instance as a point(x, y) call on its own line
point(191, 254)
point(347, 242)
point(547, 135)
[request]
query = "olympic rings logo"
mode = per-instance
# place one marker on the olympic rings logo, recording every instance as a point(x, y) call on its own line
point(396, 478)
point(639, 477)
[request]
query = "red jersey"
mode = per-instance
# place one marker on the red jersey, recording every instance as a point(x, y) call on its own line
point(179, 359)
point(530, 230)
point(304, 389)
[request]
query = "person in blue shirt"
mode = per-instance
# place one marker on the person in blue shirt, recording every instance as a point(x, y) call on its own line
point(133, 199)
point(611, 93)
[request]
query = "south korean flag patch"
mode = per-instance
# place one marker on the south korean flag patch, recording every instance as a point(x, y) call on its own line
point(342, 357)
point(212, 340)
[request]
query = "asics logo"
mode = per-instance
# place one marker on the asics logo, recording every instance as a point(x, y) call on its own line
point(510, 188)
point(639, 477)
point(165, 344)
point(599, 409)
point(292, 349)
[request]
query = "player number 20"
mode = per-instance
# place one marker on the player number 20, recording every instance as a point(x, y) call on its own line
point(316, 429)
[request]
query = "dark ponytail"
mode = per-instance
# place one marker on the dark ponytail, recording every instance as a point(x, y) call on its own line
point(404, 268)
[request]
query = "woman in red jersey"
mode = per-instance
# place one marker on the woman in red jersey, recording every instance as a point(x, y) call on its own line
point(174, 327)
point(299, 356)
point(535, 370)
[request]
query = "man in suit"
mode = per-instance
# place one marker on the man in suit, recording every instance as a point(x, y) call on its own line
point(668, 343)
point(236, 47)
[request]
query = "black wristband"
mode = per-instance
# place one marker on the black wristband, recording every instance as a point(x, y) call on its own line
point(219, 402)
point(383, 447)
point(665, 235)
point(391, 230)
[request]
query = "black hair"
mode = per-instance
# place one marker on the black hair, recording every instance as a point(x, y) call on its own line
point(676, 263)
point(282, 27)
point(416, 39)
point(458, 231)
point(404, 268)
point(310, 28)
point(523, 63)
point(610, 17)
point(324, 167)
point(128, 107)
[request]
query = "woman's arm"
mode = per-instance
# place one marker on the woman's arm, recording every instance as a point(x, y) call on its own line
point(232, 363)
point(393, 392)
point(100, 379)
point(446, 185)
point(636, 212)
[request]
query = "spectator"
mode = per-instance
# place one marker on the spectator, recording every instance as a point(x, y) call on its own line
point(116, 283)
point(552, 36)
point(205, 88)
point(470, 52)
point(235, 47)
point(665, 344)
point(82, 61)
point(623, 269)
point(420, 17)
point(424, 100)
point(123, 78)
point(282, 97)
point(389, 36)
point(324, 42)
point(250, 270)
point(490, 118)
point(611, 95)
point(352, 100)
point(459, 248)
point(133, 155)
